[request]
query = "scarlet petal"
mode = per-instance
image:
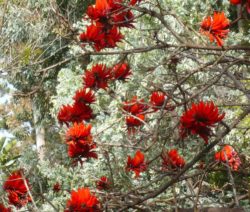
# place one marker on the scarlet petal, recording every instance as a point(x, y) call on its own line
point(216, 27)
point(199, 119)
point(82, 200)
point(136, 164)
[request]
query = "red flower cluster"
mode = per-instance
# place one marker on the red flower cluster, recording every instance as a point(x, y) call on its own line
point(199, 119)
point(82, 201)
point(228, 155)
point(97, 77)
point(80, 110)
point(216, 27)
point(172, 160)
point(136, 164)
point(235, 2)
point(3, 209)
point(80, 142)
point(121, 71)
point(103, 183)
point(157, 100)
point(107, 16)
point(17, 190)
point(137, 109)
point(57, 187)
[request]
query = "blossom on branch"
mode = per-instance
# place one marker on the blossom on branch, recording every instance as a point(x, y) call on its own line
point(97, 77)
point(172, 160)
point(82, 201)
point(228, 155)
point(103, 183)
point(3, 209)
point(57, 187)
point(215, 27)
point(17, 189)
point(199, 119)
point(121, 71)
point(84, 96)
point(76, 113)
point(79, 133)
point(80, 142)
point(136, 164)
point(157, 100)
point(137, 109)
point(235, 2)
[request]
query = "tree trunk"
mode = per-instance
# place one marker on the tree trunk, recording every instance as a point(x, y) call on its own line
point(39, 134)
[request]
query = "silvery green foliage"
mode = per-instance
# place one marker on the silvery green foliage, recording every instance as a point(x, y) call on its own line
point(17, 28)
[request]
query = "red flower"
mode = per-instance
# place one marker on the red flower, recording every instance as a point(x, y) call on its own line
point(103, 183)
point(57, 187)
point(82, 201)
point(94, 35)
point(84, 96)
point(81, 112)
point(110, 13)
point(79, 133)
point(97, 77)
point(112, 37)
point(228, 154)
point(76, 113)
point(132, 122)
point(124, 18)
point(172, 160)
point(121, 71)
point(3, 209)
point(136, 164)
point(64, 115)
point(157, 100)
point(235, 1)
point(80, 142)
point(199, 119)
point(16, 189)
point(135, 106)
point(99, 11)
point(216, 27)
point(100, 37)
point(79, 151)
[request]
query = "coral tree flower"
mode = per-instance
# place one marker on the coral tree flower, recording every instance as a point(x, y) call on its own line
point(199, 119)
point(17, 190)
point(76, 113)
point(121, 71)
point(228, 155)
point(85, 96)
point(3, 209)
point(100, 38)
point(97, 77)
point(157, 100)
point(80, 142)
point(57, 187)
point(137, 109)
point(110, 13)
point(172, 160)
point(107, 17)
point(82, 201)
point(136, 164)
point(216, 27)
point(235, 2)
point(103, 183)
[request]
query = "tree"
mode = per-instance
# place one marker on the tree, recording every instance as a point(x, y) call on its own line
point(151, 98)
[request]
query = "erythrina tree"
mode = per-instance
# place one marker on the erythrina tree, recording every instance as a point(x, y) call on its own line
point(158, 114)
